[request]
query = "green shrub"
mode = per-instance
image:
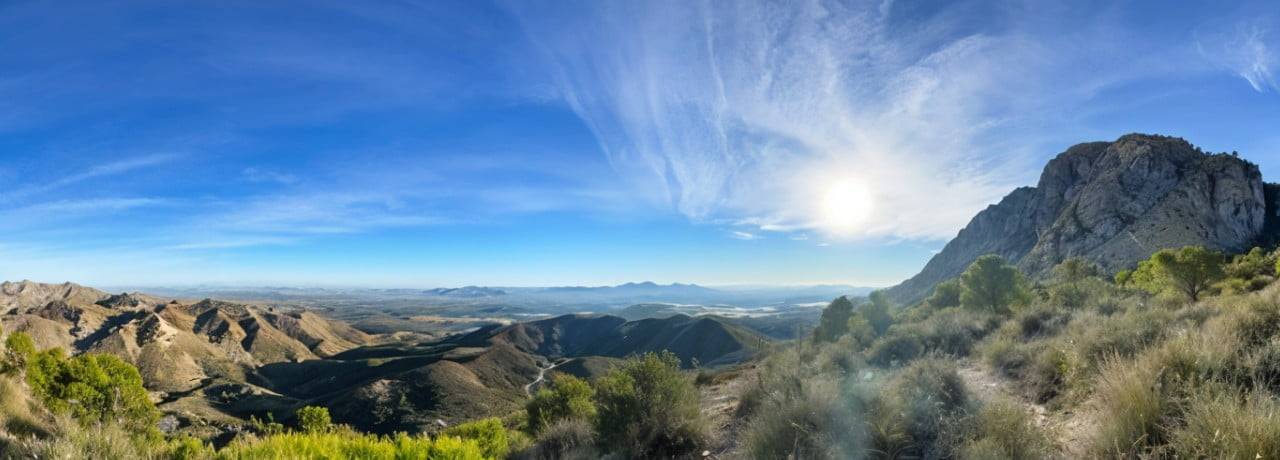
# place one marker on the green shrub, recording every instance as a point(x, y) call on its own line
point(189, 448)
point(1221, 424)
point(488, 433)
point(1004, 429)
point(1040, 321)
point(647, 408)
point(991, 285)
point(954, 331)
point(834, 321)
point(339, 444)
point(566, 439)
point(92, 387)
point(568, 397)
point(815, 422)
point(945, 295)
point(928, 398)
point(895, 348)
point(314, 419)
point(18, 349)
point(1008, 355)
point(1048, 372)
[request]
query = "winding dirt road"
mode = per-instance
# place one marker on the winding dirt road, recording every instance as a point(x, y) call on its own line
point(542, 374)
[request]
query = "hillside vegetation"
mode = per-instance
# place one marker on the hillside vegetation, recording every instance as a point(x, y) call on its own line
point(1176, 358)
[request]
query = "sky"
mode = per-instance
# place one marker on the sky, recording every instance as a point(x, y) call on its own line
point(447, 143)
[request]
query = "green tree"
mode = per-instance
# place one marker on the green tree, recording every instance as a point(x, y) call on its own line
point(568, 398)
point(1191, 270)
point(945, 295)
point(1254, 263)
point(18, 349)
point(1074, 270)
point(314, 419)
point(992, 285)
point(835, 320)
point(648, 408)
point(876, 311)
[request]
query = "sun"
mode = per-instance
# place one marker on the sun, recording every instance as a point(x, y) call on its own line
point(845, 206)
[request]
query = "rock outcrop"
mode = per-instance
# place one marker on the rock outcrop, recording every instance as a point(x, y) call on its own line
point(1114, 203)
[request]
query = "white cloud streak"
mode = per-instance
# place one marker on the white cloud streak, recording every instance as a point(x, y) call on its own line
point(1247, 47)
point(745, 112)
point(98, 171)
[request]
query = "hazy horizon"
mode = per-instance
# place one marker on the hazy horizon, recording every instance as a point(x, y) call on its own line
point(500, 144)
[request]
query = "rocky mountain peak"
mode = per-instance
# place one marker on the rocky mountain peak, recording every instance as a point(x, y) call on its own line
point(1114, 203)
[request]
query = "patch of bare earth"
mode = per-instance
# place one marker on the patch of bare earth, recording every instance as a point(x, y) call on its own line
point(719, 402)
point(1069, 428)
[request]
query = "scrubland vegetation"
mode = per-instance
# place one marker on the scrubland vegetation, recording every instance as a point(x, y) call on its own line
point(95, 406)
point(1178, 358)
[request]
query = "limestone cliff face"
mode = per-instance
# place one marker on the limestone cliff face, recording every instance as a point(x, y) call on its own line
point(1115, 204)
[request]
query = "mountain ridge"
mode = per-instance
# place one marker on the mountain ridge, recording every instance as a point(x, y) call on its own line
point(1113, 203)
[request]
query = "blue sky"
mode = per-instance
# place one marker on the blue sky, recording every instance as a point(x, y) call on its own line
point(539, 143)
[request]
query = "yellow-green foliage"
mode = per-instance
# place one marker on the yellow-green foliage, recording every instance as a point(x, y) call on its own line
point(18, 348)
point(1190, 271)
point(313, 419)
point(339, 444)
point(568, 397)
point(91, 387)
point(647, 408)
point(488, 433)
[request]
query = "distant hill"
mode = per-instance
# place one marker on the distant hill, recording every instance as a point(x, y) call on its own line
point(192, 356)
point(213, 362)
point(1114, 203)
point(467, 292)
point(709, 340)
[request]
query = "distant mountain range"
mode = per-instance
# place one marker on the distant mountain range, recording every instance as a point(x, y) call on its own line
point(213, 363)
point(1114, 203)
point(553, 299)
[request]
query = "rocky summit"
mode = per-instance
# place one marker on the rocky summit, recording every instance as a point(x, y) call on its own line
point(1113, 203)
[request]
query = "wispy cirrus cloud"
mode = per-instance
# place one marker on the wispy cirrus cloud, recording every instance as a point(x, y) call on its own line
point(107, 169)
point(1246, 46)
point(751, 113)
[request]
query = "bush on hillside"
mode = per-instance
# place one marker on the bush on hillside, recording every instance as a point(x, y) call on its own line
point(991, 285)
point(488, 434)
point(566, 439)
point(344, 444)
point(816, 421)
point(1223, 424)
point(1190, 271)
point(945, 295)
point(314, 419)
point(1004, 430)
point(567, 397)
point(18, 349)
point(92, 387)
point(917, 412)
point(647, 408)
point(834, 321)
point(900, 345)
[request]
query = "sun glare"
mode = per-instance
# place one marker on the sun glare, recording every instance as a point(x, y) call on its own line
point(846, 205)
